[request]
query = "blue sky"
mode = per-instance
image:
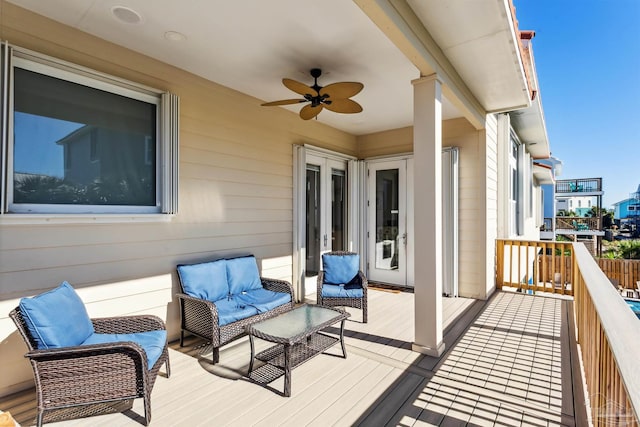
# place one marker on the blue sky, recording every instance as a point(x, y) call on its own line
point(587, 55)
point(36, 150)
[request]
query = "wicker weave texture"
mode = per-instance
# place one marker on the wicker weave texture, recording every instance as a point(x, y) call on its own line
point(84, 375)
point(360, 303)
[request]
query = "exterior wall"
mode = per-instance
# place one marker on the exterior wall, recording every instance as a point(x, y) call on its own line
point(489, 142)
point(387, 143)
point(235, 196)
point(621, 209)
point(478, 194)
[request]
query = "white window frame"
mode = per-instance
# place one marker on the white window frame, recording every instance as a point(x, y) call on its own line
point(167, 135)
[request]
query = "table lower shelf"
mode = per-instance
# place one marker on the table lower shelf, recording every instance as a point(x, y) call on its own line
point(300, 352)
point(274, 359)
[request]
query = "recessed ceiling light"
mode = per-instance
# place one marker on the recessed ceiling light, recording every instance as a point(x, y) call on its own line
point(126, 15)
point(175, 36)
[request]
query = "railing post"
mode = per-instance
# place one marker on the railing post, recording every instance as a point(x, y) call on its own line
point(499, 264)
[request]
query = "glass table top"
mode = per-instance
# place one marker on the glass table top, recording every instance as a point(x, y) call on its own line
point(297, 321)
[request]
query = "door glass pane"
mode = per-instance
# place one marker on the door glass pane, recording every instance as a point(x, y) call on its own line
point(387, 216)
point(338, 210)
point(313, 220)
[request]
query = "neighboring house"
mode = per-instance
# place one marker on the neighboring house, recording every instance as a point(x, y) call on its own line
point(575, 199)
point(441, 131)
point(578, 205)
point(628, 209)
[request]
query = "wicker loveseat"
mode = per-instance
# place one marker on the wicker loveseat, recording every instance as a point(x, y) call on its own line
point(81, 362)
point(220, 298)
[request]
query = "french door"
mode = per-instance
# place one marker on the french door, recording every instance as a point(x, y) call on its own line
point(326, 212)
point(390, 229)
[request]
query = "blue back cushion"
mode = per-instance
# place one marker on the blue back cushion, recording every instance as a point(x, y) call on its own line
point(57, 318)
point(207, 280)
point(243, 274)
point(339, 269)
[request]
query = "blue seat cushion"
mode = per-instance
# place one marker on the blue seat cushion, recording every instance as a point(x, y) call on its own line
point(342, 291)
point(231, 310)
point(340, 269)
point(263, 299)
point(207, 280)
point(243, 274)
point(152, 342)
point(57, 318)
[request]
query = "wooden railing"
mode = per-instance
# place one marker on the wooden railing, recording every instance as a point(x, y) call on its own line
point(577, 223)
point(534, 266)
point(625, 272)
point(609, 340)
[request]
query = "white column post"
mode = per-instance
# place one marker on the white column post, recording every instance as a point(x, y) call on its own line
point(427, 154)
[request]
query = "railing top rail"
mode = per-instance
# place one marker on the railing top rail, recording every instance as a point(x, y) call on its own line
point(579, 179)
point(619, 323)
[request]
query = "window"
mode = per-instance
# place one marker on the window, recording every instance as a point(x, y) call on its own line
point(79, 141)
point(514, 184)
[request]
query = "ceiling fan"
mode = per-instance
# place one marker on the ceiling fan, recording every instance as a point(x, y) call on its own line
point(333, 97)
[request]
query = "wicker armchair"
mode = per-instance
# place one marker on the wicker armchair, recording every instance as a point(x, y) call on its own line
point(360, 280)
point(97, 373)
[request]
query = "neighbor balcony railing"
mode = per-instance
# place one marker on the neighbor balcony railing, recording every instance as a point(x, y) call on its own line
point(582, 185)
point(608, 332)
point(578, 223)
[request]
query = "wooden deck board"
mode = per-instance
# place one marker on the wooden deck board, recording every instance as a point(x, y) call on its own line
point(382, 382)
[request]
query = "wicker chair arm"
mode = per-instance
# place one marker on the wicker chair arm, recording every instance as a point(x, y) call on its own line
point(277, 285)
point(363, 280)
point(127, 324)
point(206, 311)
point(320, 282)
point(211, 306)
point(91, 350)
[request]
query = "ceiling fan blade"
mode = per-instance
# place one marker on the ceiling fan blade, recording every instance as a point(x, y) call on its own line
point(345, 106)
point(309, 111)
point(283, 102)
point(341, 90)
point(298, 87)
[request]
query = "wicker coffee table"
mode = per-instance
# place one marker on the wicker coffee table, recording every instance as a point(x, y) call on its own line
point(298, 335)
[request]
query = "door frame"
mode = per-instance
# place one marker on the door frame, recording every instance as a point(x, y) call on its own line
point(400, 276)
point(451, 205)
point(354, 169)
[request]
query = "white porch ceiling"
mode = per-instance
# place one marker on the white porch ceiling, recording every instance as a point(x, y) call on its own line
point(250, 45)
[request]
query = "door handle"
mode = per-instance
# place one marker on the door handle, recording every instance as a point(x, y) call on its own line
point(404, 239)
point(325, 240)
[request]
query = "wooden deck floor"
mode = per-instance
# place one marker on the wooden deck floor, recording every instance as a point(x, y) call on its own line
point(508, 362)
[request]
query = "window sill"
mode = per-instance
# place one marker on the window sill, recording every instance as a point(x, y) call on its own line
point(36, 219)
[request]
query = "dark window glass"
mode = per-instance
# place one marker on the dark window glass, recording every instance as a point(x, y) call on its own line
point(78, 145)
